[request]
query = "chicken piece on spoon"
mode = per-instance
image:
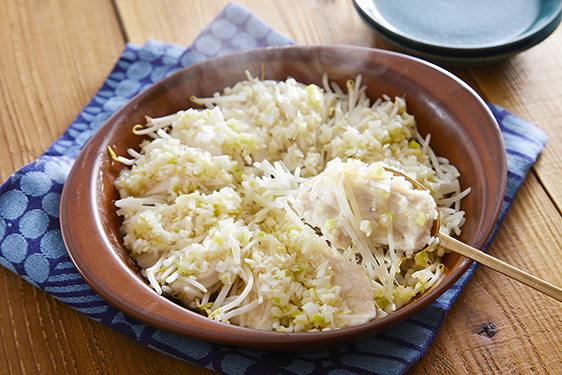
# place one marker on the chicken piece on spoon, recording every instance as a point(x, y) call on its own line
point(353, 195)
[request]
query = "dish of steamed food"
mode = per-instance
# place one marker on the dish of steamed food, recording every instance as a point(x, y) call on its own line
point(273, 209)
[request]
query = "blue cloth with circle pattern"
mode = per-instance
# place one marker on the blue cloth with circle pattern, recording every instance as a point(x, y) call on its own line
point(32, 247)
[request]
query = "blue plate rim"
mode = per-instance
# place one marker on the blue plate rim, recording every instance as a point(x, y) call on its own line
point(522, 42)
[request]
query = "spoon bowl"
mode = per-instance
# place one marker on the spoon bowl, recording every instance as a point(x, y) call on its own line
point(470, 252)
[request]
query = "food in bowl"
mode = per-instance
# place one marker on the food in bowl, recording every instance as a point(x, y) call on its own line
point(209, 206)
point(348, 198)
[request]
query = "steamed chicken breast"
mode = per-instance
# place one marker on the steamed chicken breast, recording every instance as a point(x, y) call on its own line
point(351, 198)
point(353, 293)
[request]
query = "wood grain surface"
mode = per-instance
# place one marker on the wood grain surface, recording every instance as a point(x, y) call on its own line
point(55, 55)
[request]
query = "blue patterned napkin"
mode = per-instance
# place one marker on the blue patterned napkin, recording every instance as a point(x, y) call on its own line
point(32, 247)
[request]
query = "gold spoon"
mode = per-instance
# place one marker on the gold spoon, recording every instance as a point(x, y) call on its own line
point(452, 244)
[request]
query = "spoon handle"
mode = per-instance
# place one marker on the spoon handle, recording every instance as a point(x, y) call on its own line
point(496, 264)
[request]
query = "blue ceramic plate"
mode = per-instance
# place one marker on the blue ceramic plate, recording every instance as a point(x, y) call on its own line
point(460, 31)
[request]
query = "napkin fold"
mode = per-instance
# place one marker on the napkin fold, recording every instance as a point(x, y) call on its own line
point(32, 246)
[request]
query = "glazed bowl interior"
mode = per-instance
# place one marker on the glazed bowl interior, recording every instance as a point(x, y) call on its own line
point(462, 129)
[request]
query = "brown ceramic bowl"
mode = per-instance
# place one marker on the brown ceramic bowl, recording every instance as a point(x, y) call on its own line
point(462, 129)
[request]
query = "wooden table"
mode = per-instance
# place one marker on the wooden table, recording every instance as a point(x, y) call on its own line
point(55, 55)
